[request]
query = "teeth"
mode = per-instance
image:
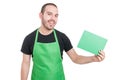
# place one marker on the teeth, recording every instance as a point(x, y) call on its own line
point(51, 22)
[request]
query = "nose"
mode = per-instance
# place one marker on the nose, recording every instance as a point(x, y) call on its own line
point(54, 17)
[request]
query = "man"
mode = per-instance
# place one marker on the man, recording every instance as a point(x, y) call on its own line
point(45, 45)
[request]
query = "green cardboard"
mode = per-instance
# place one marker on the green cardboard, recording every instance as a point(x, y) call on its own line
point(91, 42)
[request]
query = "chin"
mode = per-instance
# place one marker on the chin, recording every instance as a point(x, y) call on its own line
point(50, 28)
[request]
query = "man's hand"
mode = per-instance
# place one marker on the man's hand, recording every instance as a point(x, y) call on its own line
point(100, 57)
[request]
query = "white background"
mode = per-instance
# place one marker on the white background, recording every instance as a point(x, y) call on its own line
point(20, 17)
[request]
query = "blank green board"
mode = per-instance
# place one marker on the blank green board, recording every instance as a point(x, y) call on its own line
point(91, 42)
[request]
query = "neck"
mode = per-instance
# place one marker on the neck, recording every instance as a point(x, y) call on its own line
point(45, 31)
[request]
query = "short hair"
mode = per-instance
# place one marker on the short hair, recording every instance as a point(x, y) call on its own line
point(44, 6)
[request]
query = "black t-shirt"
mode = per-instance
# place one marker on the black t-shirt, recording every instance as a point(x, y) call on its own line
point(28, 43)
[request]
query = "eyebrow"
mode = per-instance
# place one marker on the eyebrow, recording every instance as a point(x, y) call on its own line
point(51, 12)
point(48, 12)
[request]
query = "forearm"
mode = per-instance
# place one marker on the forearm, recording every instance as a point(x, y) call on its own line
point(24, 70)
point(79, 59)
point(84, 59)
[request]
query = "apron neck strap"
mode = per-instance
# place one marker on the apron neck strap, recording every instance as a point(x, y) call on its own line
point(36, 38)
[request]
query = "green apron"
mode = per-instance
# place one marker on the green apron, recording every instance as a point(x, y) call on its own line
point(47, 62)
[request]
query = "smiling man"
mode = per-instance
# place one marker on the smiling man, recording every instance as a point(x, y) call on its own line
point(46, 45)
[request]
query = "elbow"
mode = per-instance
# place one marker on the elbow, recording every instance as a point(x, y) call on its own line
point(81, 60)
point(77, 60)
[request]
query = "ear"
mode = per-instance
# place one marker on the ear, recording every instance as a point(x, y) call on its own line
point(40, 15)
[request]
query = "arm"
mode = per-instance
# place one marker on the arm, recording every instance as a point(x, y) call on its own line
point(79, 59)
point(25, 66)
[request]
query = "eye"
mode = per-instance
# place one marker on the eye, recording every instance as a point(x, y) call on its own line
point(56, 15)
point(49, 13)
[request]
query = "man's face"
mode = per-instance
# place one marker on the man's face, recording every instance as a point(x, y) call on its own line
point(49, 17)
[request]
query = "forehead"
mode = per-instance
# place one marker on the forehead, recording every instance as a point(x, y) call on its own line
point(51, 8)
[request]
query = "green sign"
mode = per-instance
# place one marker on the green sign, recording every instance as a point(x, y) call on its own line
point(91, 42)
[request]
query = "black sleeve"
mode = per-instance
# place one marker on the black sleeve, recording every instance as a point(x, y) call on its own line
point(67, 43)
point(28, 43)
point(64, 42)
point(26, 47)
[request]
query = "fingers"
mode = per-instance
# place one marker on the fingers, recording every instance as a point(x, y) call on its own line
point(101, 55)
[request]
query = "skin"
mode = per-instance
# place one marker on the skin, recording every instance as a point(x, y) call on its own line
point(48, 21)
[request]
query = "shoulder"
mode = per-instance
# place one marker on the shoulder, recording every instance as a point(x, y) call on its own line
point(31, 36)
point(62, 37)
point(60, 34)
point(64, 41)
point(29, 39)
point(28, 43)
